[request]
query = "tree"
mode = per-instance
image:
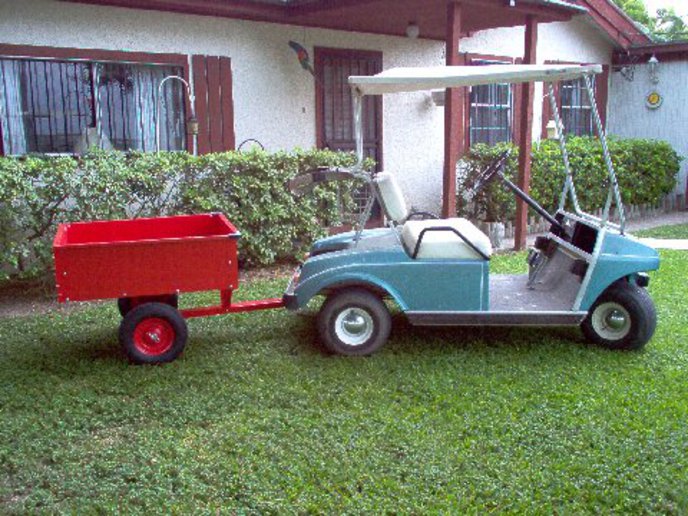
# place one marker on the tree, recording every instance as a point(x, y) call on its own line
point(669, 26)
point(665, 26)
point(637, 11)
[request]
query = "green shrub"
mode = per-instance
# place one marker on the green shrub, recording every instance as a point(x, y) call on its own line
point(37, 193)
point(646, 171)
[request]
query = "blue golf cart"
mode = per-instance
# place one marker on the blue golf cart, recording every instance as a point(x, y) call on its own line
point(587, 271)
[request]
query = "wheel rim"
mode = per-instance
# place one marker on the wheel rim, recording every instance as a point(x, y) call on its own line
point(154, 336)
point(611, 321)
point(354, 326)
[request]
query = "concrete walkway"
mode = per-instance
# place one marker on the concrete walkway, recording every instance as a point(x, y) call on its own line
point(665, 219)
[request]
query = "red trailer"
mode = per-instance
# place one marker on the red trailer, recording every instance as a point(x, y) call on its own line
point(145, 264)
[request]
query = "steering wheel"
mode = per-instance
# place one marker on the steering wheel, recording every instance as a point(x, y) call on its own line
point(488, 174)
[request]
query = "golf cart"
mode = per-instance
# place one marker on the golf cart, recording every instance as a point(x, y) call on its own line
point(585, 272)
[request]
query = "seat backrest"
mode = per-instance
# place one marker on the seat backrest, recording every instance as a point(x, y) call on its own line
point(391, 197)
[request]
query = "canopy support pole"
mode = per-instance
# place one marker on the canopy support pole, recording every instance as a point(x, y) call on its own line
point(526, 135)
point(453, 113)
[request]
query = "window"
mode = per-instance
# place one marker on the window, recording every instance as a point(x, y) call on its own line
point(491, 112)
point(576, 110)
point(51, 106)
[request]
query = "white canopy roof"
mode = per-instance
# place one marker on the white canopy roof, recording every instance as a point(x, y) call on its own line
point(398, 80)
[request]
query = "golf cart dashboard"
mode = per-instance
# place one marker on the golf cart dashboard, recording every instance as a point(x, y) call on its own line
point(580, 233)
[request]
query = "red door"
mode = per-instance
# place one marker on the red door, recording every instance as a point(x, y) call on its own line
point(334, 109)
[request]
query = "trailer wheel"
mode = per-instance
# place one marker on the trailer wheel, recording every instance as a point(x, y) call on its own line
point(126, 304)
point(153, 333)
point(623, 317)
point(354, 322)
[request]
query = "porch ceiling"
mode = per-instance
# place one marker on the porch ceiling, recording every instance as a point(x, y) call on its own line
point(389, 17)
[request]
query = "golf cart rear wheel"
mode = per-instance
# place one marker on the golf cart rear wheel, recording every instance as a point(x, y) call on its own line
point(623, 317)
point(354, 322)
point(153, 333)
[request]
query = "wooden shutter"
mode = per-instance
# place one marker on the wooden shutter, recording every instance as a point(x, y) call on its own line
point(214, 103)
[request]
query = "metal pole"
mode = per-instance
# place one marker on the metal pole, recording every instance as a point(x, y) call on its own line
point(568, 185)
point(358, 128)
point(192, 104)
point(614, 187)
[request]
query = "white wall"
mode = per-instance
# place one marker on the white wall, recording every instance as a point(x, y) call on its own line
point(630, 118)
point(274, 97)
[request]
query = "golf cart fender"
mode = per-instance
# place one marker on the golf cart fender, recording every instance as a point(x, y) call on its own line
point(336, 279)
point(608, 272)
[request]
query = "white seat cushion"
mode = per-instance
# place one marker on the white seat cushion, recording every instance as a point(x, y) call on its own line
point(445, 244)
point(391, 197)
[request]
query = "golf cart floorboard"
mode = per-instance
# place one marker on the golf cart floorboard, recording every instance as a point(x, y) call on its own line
point(514, 303)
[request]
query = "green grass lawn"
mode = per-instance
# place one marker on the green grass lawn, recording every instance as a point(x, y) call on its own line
point(255, 418)
point(675, 231)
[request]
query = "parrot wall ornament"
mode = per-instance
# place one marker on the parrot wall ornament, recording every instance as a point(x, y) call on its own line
point(303, 57)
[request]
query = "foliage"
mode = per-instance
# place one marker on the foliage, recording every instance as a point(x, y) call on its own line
point(675, 231)
point(637, 11)
point(646, 171)
point(665, 25)
point(37, 193)
point(669, 26)
point(254, 419)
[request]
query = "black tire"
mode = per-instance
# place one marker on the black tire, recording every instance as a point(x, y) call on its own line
point(125, 304)
point(623, 317)
point(153, 333)
point(368, 319)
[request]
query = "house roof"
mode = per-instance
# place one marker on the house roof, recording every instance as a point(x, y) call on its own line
point(389, 17)
point(668, 51)
point(614, 22)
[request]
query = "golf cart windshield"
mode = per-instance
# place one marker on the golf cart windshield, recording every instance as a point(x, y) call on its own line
point(398, 80)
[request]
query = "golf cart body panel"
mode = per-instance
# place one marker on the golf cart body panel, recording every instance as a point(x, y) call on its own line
point(457, 284)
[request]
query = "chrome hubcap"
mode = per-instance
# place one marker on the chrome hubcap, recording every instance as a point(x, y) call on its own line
point(354, 326)
point(611, 321)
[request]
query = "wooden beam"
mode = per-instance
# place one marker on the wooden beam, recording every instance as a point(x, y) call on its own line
point(453, 113)
point(526, 136)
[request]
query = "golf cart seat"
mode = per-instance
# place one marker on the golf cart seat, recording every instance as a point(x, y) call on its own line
point(392, 200)
point(453, 239)
point(441, 238)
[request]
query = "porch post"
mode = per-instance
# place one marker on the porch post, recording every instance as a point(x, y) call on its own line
point(453, 113)
point(526, 134)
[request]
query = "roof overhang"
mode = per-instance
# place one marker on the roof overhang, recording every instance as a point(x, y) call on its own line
point(673, 51)
point(615, 23)
point(388, 17)
point(397, 80)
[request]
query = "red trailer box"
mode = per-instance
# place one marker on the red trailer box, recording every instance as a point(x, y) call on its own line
point(145, 257)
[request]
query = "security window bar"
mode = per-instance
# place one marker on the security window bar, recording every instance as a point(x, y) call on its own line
point(576, 111)
point(64, 107)
point(491, 112)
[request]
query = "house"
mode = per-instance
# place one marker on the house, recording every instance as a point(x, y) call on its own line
point(72, 70)
point(650, 99)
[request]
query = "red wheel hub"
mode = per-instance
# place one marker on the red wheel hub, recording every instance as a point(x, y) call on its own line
point(154, 336)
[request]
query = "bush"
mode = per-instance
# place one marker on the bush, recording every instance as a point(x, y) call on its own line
point(646, 171)
point(37, 193)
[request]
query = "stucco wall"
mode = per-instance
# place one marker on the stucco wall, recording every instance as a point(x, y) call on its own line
point(630, 118)
point(274, 97)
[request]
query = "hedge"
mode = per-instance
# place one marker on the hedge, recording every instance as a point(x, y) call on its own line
point(646, 171)
point(37, 193)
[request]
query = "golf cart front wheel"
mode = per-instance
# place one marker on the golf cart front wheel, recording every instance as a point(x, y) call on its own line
point(354, 322)
point(153, 333)
point(623, 317)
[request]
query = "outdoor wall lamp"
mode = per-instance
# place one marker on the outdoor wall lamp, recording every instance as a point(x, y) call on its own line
point(412, 30)
point(192, 128)
point(552, 133)
point(653, 65)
